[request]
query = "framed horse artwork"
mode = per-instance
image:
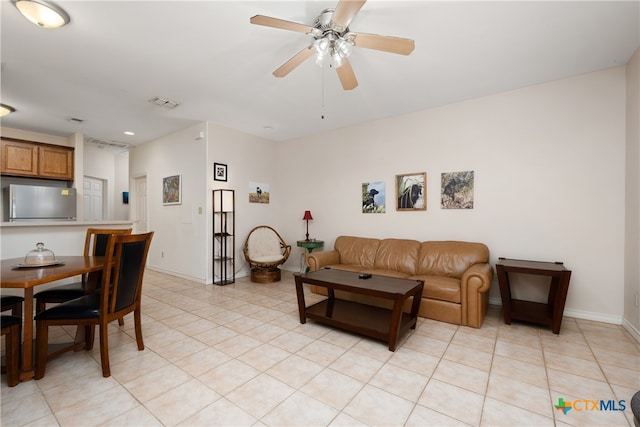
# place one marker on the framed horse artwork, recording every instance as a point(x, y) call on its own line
point(411, 192)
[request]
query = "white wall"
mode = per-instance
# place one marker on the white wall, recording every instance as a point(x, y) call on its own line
point(179, 244)
point(182, 232)
point(632, 197)
point(248, 159)
point(549, 180)
point(100, 164)
point(120, 184)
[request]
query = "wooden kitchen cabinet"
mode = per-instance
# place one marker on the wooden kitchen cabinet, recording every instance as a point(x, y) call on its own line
point(19, 158)
point(25, 158)
point(55, 162)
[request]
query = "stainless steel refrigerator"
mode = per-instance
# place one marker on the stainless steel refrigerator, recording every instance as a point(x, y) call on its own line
point(38, 203)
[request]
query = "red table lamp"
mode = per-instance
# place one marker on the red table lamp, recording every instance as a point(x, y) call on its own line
point(307, 216)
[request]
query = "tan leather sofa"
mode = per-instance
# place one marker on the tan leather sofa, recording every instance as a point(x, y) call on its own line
point(457, 275)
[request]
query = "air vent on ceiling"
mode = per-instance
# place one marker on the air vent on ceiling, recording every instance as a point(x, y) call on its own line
point(105, 143)
point(162, 102)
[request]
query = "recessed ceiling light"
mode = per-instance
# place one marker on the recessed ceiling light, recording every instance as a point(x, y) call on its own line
point(5, 110)
point(128, 132)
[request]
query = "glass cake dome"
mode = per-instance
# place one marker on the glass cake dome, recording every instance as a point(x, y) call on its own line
point(40, 256)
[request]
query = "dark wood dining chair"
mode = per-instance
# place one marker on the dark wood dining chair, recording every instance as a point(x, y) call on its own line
point(95, 243)
point(11, 328)
point(120, 294)
point(13, 303)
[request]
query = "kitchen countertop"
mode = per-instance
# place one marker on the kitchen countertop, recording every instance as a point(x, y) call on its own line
point(43, 223)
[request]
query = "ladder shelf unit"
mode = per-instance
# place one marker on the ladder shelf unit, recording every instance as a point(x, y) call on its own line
point(224, 237)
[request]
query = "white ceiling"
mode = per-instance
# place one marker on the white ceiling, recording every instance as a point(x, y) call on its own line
point(116, 55)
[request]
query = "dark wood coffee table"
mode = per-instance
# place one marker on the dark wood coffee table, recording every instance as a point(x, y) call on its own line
point(376, 322)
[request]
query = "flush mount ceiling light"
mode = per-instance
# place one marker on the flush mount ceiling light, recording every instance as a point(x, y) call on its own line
point(42, 13)
point(6, 110)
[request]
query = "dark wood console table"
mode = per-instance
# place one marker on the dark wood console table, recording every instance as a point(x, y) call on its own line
point(549, 314)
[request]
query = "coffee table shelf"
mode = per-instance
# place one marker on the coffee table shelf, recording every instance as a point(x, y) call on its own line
point(368, 320)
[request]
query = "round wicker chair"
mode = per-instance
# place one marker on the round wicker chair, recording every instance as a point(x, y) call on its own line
point(265, 250)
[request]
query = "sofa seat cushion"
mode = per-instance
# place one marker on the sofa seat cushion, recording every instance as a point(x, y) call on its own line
point(440, 288)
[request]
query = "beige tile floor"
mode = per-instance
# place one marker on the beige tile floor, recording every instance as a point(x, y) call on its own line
point(238, 355)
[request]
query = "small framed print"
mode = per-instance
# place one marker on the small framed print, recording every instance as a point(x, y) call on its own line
point(172, 190)
point(410, 192)
point(219, 172)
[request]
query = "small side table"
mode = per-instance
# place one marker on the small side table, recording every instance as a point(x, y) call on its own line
point(309, 246)
point(549, 314)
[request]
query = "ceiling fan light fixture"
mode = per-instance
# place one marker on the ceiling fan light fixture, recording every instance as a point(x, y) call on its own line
point(5, 110)
point(42, 13)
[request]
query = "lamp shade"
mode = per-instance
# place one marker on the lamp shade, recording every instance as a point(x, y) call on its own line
point(307, 215)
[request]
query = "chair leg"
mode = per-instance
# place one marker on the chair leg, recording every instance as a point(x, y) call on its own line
point(121, 321)
point(40, 305)
point(42, 344)
point(89, 336)
point(104, 350)
point(13, 355)
point(138, 327)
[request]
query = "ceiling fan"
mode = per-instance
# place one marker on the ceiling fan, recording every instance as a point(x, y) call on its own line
point(333, 39)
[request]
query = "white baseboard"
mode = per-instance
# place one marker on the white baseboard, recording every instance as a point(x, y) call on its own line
point(633, 331)
point(182, 276)
point(578, 314)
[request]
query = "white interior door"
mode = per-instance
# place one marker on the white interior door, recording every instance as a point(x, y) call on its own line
point(141, 204)
point(93, 196)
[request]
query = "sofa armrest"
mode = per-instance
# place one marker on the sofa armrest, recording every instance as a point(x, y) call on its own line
point(318, 260)
point(474, 288)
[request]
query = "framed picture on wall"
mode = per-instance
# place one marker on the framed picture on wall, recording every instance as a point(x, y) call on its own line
point(373, 197)
point(219, 172)
point(456, 190)
point(172, 190)
point(411, 192)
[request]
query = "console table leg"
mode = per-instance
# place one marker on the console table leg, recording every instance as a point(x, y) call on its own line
point(505, 293)
point(561, 291)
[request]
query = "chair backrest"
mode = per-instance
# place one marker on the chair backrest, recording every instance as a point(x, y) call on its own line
point(95, 242)
point(126, 257)
point(264, 241)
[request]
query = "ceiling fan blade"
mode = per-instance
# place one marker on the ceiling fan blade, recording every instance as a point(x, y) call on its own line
point(292, 63)
point(268, 21)
point(346, 10)
point(385, 43)
point(347, 76)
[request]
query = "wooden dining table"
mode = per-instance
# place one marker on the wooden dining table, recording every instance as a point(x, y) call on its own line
point(27, 278)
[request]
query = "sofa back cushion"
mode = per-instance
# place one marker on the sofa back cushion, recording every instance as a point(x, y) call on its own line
point(450, 258)
point(398, 255)
point(357, 250)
